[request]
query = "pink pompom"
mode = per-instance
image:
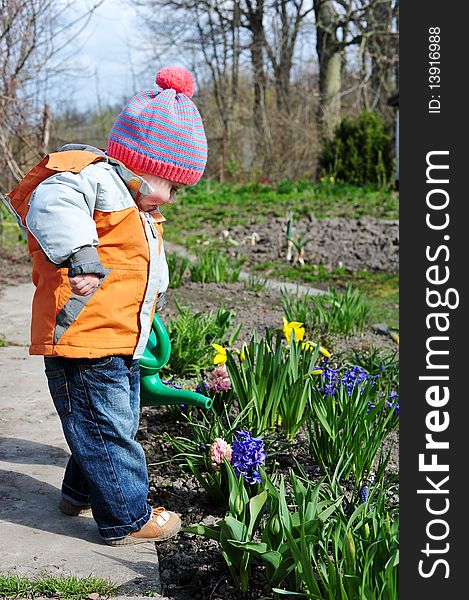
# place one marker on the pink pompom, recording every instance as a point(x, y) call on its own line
point(176, 78)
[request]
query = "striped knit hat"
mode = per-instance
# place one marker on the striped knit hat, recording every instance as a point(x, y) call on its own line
point(161, 131)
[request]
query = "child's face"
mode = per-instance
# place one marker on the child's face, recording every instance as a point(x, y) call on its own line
point(164, 191)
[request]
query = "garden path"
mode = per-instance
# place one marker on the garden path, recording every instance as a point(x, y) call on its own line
point(245, 276)
point(35, 536)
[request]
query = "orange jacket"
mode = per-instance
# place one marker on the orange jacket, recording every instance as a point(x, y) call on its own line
point(79, 211)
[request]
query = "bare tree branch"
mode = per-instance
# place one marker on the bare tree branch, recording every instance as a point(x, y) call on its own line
point(32, 33)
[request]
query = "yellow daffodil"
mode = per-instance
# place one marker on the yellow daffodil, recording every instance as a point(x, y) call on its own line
point(220, 356)
point(394, 336)
point(242, 353)
point(316, 372)
point(295, 327)
point(311, 345)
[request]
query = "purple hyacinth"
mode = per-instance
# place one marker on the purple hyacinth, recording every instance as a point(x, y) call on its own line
point(248, 454)
point(352, 378)
point(393, 405)
point(356, 377)
point(364, 494)
point(199, 390)
point(331, 381)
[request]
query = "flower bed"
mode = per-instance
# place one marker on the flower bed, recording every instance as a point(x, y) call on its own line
point(250, 477)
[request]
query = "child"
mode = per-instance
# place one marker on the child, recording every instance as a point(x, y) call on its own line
point(95, 236)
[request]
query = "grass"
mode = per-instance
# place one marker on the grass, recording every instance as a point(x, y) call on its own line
point(213, 266)
point(210, 203)
point(383, 300)
point(255, 284)
point(380, 289)
point(344, 312)
point(10, 234)
point(67, 587)
point(177, 266)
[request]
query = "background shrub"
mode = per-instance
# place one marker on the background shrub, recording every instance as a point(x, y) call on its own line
point(360, 152)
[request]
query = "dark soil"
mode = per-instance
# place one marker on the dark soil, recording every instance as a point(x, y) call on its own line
point(354, 244)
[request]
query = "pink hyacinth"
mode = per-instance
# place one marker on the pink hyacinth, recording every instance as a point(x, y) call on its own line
point(218, 380)
point(219, 450)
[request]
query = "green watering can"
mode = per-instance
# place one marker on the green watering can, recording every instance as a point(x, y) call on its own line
point(153, 392)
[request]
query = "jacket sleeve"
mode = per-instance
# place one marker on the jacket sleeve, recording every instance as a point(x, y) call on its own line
point(60, 217)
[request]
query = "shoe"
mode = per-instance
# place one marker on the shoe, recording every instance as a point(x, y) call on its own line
point(164, 524)
point(71, 509)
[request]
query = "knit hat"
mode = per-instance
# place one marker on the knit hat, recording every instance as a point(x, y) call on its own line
point(161, 131)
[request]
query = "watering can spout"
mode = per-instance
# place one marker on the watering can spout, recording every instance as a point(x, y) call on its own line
point(153, 392)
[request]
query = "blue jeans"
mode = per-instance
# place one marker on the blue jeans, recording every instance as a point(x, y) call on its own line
point(98, 402)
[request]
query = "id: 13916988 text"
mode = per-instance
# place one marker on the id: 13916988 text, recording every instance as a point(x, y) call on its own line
point(434, 70)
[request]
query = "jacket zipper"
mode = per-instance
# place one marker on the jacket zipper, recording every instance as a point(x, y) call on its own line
point(150, 224)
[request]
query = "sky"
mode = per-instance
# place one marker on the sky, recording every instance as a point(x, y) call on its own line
point(111, 59)
point(107, 58)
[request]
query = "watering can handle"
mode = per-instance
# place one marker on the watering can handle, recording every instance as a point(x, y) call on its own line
point(158, 348)
point(155, 356)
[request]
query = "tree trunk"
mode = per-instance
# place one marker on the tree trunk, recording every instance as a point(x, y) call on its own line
point(286, 27)
point(236, 46)
point(257, 59)
point(283, 67)
point(282, 81)
point(330, 67)
point(254, 22)
point(382, 51)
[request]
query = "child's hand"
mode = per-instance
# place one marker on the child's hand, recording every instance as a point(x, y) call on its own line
point(84, 285)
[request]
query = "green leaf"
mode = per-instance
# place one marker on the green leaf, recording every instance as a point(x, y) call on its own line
point(326, 513)
point(236, 528)
point(255, 547)
point(271, 557)
point(256, 504)
point(204, 531)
